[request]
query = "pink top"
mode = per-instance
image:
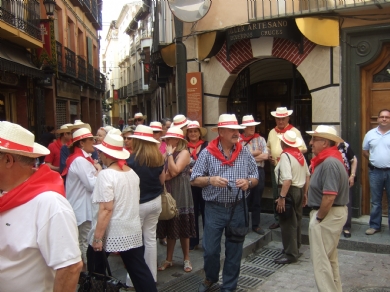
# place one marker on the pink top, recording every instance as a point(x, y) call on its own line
point(163, 147)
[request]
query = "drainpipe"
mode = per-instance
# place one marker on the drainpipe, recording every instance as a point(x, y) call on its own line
point(181, 68)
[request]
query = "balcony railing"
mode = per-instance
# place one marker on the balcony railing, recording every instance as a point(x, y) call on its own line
point(135, 87)
point(94, 9)
point(140, 86)
point(70, 62)
point(97, 78)
point(130, 89)
point(59, 57)
point(268, 9)
point(24, 15)
point(90, 78)
point(132, 50)
point(81, 69)
point(87, 4)
point(146, 34)
point(102, 82)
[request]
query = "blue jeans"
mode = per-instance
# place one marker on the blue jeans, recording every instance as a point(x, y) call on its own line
point(217, 218)
point(379, 179)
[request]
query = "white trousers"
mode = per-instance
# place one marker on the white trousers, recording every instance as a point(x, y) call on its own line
point(84, 229)
point(149, 213)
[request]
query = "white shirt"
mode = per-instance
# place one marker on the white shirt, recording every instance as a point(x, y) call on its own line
point(80, 182)
point(36, 239)
point(124, 229)
point(291, 171)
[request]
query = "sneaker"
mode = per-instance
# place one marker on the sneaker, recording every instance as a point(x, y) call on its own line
point(371, 231)
point(205, 286)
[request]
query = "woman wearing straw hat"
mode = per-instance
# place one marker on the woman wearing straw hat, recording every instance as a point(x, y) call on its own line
point(116, 224)
point(180, 121)
point(128, 140)
point(177, 181)
point(81, 172)
point(157, 134)
point(195, 145)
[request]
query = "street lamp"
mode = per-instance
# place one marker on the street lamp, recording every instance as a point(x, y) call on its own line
point(50, 6)
point(142, 56)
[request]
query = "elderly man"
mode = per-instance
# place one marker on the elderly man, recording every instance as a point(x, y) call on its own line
point(139, 119)
point(293, 175)
point(328, 196)
point(282, 118)
point(39, 238)
point(53, 159)
point(222, 171)
point(376, 146)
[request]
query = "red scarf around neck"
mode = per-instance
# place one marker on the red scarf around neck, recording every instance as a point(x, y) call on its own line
point(129, 150)
point(329, 152)
point(43, 180)
point(195, 147)
point(247, 139)
point(77, 153)
point(289, 127)
point(214, 150)
point(295, 153)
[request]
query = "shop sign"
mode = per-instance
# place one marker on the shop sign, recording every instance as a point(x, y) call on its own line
point(194, 96)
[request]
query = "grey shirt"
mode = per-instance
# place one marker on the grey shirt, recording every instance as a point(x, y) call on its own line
point(329, 178)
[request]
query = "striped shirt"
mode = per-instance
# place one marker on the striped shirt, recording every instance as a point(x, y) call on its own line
point(257, 144)
point(207, 165)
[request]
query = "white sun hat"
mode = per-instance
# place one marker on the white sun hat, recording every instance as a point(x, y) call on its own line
point(78, 124)
point(64, 129)
point(290, 138)
point(326, 132)
point(156, 126)
point(144, 133)
point(179, 121)
point(227, 121)
point(17, 140)
point(107, 128)
point(81, 134)
point(174, 132)
point(139, 115)
point(195, 125)
point(281, 112)
point(249, 121)
point(112, 145)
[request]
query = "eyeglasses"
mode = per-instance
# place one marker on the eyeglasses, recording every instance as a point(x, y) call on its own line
point(138, 120)
point(384, 117)
point(127, 138)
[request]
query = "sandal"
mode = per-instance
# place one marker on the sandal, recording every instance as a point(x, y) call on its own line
point(347, 233)
point(163, 241)
point(187, 266)
point(165, 265)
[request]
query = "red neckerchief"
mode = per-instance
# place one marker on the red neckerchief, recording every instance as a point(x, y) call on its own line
point(77, 153)
point(295, 153)
point(129, 149)
point(329, 152)
point(214, 150)
point(43, 180)
point(195, 147)
point(288, 127)
point(247, 139)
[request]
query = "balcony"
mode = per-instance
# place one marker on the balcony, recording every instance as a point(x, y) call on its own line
point(146, 34)
point(122, 92)
point(102, 82)
point(92, 11)
point(130, 89)
point(78, 3)
point(24, 15)
point(81, 69)
point(87, 5)
point(59, 57)
point(132, 50)
point(268, 9)
point(97, 78)
point(90, 79)
point(135, 87)
point(99, 24)
point(70, 62)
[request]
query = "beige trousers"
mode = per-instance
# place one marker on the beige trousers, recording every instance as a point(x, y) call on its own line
point(84, 229)
point(324, 238)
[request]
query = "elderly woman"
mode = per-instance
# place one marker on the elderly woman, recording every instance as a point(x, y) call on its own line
point(101, 134)
point(196, 145)
point(81, 172)
point(116, 225)
point(166, 124)
point(177, 181)
point(128, 140)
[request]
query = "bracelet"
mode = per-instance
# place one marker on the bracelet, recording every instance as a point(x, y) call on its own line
point(97, 240)
point(208, 181)
point(282, 197)
point(169, 154)
point(319, 219)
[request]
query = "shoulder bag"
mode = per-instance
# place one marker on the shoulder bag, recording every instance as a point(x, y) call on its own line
point(288, 201)
point(168, 206)
point(237, 234)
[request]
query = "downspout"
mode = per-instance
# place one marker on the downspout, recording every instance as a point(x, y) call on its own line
point(181, 68)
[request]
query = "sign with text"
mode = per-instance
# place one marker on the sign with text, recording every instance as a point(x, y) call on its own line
point(195, 96)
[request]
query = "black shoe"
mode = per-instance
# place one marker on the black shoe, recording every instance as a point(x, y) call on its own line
point(205, 286)
point(258, 230)
point(194, 247)
point(284, 261)
point(347, 233)
point(274, 225)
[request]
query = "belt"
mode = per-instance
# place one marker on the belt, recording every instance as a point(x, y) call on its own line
point(334, 205)
point(372, 167)
point(226, 205)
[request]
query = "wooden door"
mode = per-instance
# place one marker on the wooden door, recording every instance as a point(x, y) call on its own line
point(375, 85)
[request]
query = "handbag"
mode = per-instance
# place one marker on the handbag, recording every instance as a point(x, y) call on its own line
point(288, 202)
point(168, 206)
point(237, 234)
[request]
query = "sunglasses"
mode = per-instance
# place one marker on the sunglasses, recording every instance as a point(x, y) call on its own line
point(127, 138)
point(138, 120)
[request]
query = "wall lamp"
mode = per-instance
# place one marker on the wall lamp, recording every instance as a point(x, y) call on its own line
point(50, 6)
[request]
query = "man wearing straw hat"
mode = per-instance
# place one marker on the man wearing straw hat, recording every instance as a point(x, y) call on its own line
point(53, 159)
point(39, 238)
point(328, 196)
point(139, 119)
point(222, 171)
point(282, 118)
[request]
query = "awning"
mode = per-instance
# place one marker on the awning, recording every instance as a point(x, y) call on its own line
point(17, 60)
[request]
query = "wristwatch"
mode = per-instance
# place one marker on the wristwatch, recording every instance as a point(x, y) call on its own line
point(97, 240)
point(169, 154)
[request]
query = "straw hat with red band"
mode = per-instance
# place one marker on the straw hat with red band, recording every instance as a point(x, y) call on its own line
point(249, 121)
point(195, 125)
point(112, 145)
point(326, 132)
point(81, 134)
point(64, 129)
point(139, 116)
point(290, 138)
point(144, 133)
point(228, 121)
point(281, 112)
point(17, 140)
point(180, 121)
point(174, 132)
point(78, 124)
point(156, 126)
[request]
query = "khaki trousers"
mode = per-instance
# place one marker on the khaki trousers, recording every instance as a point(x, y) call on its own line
point(84, 229)
point(324, 238)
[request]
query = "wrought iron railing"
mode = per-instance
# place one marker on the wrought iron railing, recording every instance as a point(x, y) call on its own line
point(22, 14)
point(100, 18)
point(130, 89)
point(87, 3)
point(97, 78)
point(70, 62)
point(135, 87)
point(81, 69)
point(94, 9)
point(90, 78)
point(140, 85)
point(102, 82)
point(124, 91)
point(59, 56)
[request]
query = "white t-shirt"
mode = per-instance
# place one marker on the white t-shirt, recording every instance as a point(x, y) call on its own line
point(124, 230)
point(291, 171)
point(36, 239)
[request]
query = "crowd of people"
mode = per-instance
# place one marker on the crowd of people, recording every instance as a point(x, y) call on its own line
point(97, 195)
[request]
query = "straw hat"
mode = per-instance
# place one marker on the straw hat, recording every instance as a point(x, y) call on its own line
point(179, 121)
point(326, 132)
point(144, 133)
point(128, 129)
point(281, 112)
point(249, 121)
point(17, 140)
point(195, 125)
point(78, 124)
point(227, 121)
point(174, 132)
point(107, 128)
point(156, 126)
point(81, 134)
point(112, 145)
point(290, 138)
point(64, 128)
point(139, 115)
